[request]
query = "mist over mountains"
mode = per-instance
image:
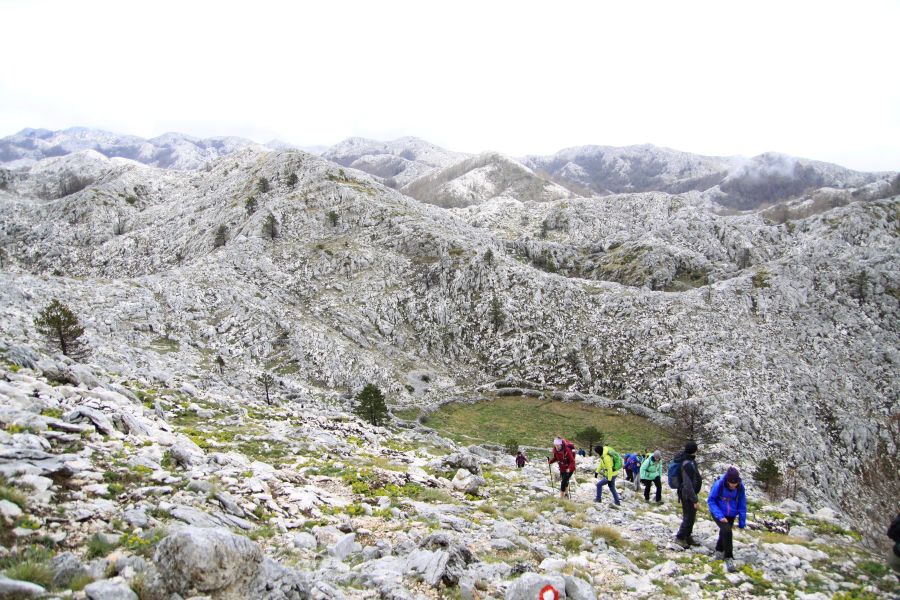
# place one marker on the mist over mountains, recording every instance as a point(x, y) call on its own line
point(764, 291)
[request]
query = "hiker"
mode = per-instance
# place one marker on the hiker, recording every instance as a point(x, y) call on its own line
point(629, 465)
point(565, 458)
point(608, 466)
point(894, 554)
point(651, 473)
point(727, 501)
point(688, 484)
point(638, 460)
point(520, 459)
point(581, 452)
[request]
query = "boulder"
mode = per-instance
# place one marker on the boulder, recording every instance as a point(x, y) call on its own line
point(530, 585)
point(208, 560)
point(110, 589)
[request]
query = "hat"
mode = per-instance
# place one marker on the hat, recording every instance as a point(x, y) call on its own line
point(657, 455)
point(557, 442)
point(732, 475)
point(690, 447)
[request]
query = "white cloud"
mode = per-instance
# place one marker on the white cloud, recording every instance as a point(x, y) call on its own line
point(814, 79)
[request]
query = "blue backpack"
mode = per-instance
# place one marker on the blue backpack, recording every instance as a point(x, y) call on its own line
point(674, 474)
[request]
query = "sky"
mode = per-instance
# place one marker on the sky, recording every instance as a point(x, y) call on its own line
point(811, 79)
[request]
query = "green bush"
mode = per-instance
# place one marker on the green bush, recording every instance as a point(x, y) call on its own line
point(35, 572)
point(511, 445)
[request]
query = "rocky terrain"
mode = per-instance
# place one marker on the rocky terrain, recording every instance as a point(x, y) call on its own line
point(193, 283)
point(121, 489)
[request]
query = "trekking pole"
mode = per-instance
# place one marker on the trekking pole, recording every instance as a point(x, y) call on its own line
point(549, 468)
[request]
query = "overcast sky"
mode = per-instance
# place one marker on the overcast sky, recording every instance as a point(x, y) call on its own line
point(813, 79)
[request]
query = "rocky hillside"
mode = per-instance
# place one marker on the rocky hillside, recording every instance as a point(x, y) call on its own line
point(482, 178)
point(783, 336)
point(394, 163)
point(125, 488)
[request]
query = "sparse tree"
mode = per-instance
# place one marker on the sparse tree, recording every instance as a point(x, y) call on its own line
point(689, 422)
point(371, 406)
point(250, 205)
point(263, 185)
point(489, 257)
point(270, 227)
point(267, 380)
point(511, 445)
point(220, 363)
point(497, 316)
point(221, 236)
point(860, 290)
point(292, 179)
point(333, 218)
point(768, 474)
point(589, 436)
point(61, 327)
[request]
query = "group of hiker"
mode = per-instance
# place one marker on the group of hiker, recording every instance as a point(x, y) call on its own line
point(727, 500)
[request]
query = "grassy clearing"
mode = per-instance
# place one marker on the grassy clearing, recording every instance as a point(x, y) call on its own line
point(535, 422)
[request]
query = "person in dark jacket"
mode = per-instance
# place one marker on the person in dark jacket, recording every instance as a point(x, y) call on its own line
point(894, 553)
point(728, 501)
point(687, 493)
point(520, 459)
point(565, 458)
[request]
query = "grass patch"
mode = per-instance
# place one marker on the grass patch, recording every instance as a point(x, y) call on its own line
point(35, 572)
point(611, 535)
point(97, 548)
point(535, 422)
point(407, 414)
point(164, 345)
point(572, 543)
point(12, 495)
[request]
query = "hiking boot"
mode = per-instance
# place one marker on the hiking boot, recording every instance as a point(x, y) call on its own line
point(730, 566)
point(659, 501)
point(719, 555)
point(683, 543)
point(693, 542)
point(616, 505)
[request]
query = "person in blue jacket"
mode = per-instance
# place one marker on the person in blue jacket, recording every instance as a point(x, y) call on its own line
point(728, 501)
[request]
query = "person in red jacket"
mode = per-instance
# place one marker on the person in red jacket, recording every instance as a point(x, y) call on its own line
point(565, 458)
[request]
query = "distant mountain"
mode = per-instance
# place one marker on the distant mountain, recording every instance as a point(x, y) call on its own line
point(397, 162)
point(481, 178)
point(169, 151)
point(732, 182)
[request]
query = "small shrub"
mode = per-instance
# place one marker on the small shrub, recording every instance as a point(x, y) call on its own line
point(12, 495)
point(511, 445)
point(333, 218)
point(98, 548)
point(35, 572)
point(612, 536)
point(572, 543)
point(761, 279)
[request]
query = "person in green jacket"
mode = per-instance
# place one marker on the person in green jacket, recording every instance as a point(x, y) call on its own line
point(607, 475)
point(651, 472)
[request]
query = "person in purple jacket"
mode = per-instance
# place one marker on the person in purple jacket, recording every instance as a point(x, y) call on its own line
point(727, 501)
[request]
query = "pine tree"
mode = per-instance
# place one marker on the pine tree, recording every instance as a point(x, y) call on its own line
point(263, 185)
point(292, 180)
point(61, 327)
point(250, 205)
point(270, 227)
point(268, 381)
point(768, 473)
point(371, 406)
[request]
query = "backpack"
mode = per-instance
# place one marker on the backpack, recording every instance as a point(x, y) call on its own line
point(568, 444)
point(616, 458)
point(674, 472)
